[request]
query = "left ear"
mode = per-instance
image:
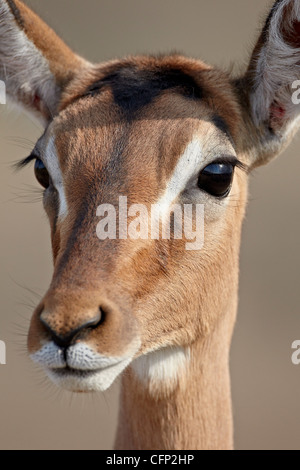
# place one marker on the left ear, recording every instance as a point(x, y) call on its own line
point(35, 64)
point(271, 84)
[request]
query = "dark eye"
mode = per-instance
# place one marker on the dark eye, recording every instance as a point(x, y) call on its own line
point(41, 173)
point(216, 179)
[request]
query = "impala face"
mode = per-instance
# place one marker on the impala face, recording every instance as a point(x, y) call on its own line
point(157, 130)
point(169, 142)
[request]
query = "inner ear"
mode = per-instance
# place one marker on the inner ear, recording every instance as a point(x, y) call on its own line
point(291, 32)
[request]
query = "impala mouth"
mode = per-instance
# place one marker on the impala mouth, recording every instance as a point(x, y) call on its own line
point(68, 371)
point(81, 369)
point(88, 380)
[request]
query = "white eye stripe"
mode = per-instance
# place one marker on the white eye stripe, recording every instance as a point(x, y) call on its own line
point(188, 164)
point(197, 155)
point(53, 167)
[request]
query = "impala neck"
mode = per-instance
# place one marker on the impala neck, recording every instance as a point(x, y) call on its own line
point(195, 415)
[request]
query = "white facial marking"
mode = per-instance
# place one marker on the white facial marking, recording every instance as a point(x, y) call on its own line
point(187, 166)
point(53, 167)
point(162, 367)
point(89, 381)
point(49, 356)
point(82, 357)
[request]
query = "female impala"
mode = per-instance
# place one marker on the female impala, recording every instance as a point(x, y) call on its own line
point(153, 129)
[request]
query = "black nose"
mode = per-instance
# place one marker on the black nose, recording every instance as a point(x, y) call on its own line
point(64, 341)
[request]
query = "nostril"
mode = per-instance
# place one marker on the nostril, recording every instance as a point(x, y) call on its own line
point(93, 322)
point(66, 338)
point(102, 313)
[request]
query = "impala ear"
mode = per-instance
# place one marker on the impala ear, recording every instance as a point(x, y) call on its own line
point(35, 64)
point(271, 84)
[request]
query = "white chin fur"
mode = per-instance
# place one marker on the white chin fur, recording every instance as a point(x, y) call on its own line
point(87, 381)
point(161, 370)
point(83, 369)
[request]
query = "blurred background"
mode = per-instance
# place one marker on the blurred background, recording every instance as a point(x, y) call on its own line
point(265, 383)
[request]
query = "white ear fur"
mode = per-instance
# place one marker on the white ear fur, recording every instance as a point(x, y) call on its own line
point(276, 66)
point(23, 68)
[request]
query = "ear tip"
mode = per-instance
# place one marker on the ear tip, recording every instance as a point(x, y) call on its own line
point(34, 62)
point(15, 11)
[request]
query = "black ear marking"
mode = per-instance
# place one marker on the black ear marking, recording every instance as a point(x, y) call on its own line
point(16, 12)
point(269, 19)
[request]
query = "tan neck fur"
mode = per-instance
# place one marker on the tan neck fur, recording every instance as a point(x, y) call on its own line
point(197, 415)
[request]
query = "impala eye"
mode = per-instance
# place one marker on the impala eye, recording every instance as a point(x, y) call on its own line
point(41, 173)
point(216, 179)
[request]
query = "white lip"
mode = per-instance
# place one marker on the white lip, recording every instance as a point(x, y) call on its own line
point(81, 369)
point(78, 380)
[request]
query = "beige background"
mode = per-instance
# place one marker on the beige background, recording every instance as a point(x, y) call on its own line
point(266, 386)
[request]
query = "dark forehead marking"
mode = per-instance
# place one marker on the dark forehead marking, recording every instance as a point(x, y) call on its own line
point(133, 88)
point(219, 122)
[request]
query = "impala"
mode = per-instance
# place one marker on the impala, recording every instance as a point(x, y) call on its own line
point(156, 129)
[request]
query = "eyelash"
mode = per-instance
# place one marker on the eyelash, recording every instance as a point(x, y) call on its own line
point(231, 161)
point(26, 161)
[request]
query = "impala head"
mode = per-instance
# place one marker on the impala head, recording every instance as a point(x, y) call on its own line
point(155, 129)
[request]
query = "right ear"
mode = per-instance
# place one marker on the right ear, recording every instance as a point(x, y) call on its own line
point(269, 91)
point(35, 64)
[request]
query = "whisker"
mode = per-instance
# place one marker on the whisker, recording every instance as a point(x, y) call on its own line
point(30, 290)
point(29, 194)
point(22, 142)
